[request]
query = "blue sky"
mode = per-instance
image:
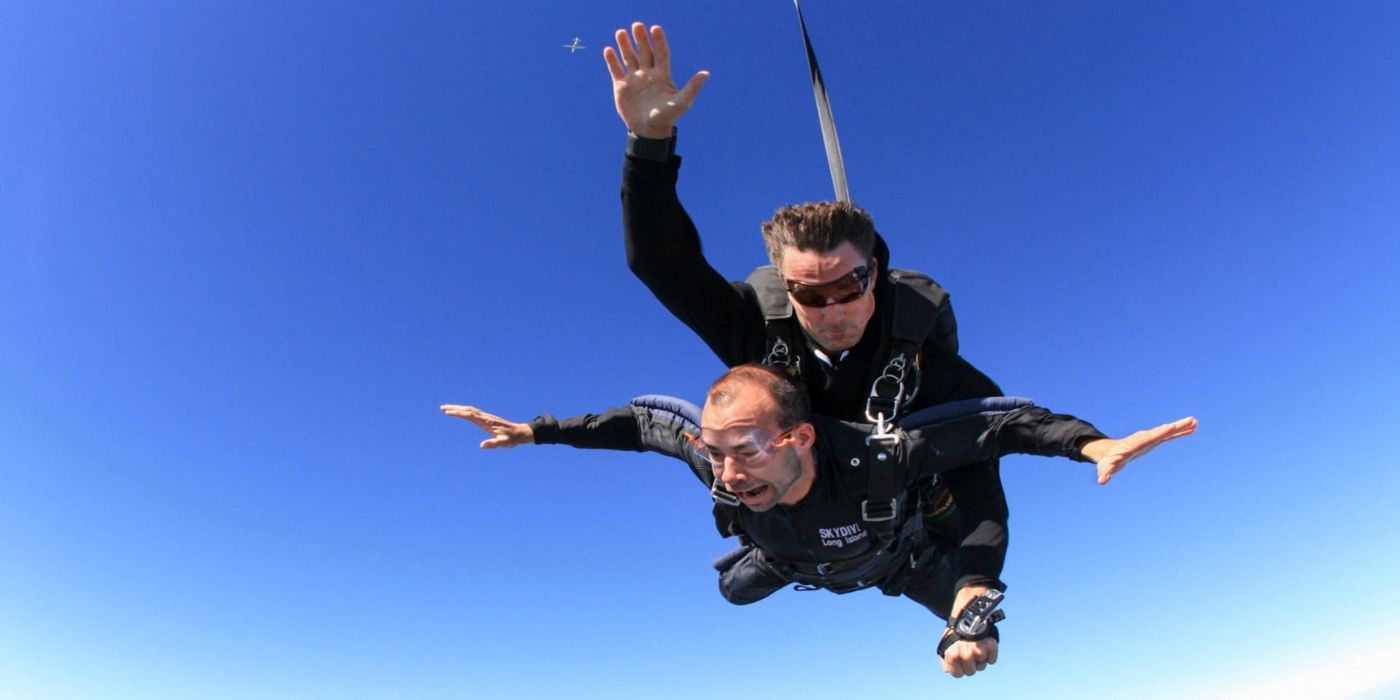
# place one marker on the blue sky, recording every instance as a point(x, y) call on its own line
point(246, 249)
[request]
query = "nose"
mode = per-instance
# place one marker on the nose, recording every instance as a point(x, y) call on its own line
point(730, 472)
point(830, 313)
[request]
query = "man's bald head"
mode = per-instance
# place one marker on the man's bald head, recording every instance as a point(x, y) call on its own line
point(787, 400)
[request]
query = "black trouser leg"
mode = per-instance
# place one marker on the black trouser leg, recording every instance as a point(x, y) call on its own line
point(748, 577)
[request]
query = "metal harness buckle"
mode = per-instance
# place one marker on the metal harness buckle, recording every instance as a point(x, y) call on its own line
point(722, 495)
point(892, 510)
point(781, 356)
point(893, 374)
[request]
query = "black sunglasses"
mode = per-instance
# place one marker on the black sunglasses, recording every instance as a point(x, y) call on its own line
point(842, 290)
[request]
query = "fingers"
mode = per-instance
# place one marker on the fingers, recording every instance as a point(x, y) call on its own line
point(950, 660)
point(661, 50)
point(957, 665)
point(1106, 473)
point(1144, 441)
point(637, 50)
point(1174, 429)
point(1182, 427)
point(1118, 459)
point(1138, 444)
point(504, 433)
point(470, 413)
point(967, 658)
point(692, 88)
point(644, 55)
point(482, 419)
point(615, 70)
point(624, 47)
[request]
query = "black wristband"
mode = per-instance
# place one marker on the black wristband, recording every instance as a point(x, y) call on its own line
point(545, 429)
point(950, 637)
point(659, 150)
point(978, 620)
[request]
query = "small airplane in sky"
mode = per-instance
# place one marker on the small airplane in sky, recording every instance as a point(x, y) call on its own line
point(574, 47)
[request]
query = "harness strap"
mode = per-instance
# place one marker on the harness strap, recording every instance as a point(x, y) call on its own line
point(881, 505)
point(773, 300)
point(950, 638)
point(875, 567)
point(918, 311)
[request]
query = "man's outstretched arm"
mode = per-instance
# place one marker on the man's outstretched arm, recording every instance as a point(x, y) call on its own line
point(647, 424)
point(1032, 430)
point(615, 429)
point(965, 658)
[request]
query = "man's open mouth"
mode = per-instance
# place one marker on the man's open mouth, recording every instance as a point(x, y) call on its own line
point(752, 494)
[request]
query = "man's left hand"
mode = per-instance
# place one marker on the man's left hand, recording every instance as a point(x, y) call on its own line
point(965, 658)
point(1112, 455)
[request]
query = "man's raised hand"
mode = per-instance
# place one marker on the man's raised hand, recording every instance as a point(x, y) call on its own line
point(646, 98)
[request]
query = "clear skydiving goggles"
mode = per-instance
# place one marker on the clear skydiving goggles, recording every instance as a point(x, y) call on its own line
point(753, 449)
point(842, 290)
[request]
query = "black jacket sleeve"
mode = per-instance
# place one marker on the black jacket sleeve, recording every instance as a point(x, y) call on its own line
point(664, 252)
point(626, 428)
point(976, 488)
point(982, 513)
point(1031, 430)
point(614, 429)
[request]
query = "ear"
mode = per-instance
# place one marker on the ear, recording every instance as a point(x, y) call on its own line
point(804, 435)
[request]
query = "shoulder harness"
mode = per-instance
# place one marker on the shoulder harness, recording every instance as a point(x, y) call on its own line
point(920, 313)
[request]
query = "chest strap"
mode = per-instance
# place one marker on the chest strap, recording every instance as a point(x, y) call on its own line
point(880, 508)
point(874, 567)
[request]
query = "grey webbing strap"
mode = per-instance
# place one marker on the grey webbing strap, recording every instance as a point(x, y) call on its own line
point(833, 144)
point(772, 296)
point(880, 509)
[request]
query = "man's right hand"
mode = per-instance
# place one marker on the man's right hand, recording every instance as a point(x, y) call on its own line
point(647, 99)
point(504, 433)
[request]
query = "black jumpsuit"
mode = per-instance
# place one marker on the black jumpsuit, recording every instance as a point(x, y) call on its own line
point(825, 527)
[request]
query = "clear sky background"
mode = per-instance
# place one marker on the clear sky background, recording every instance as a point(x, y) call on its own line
point(247, 248)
